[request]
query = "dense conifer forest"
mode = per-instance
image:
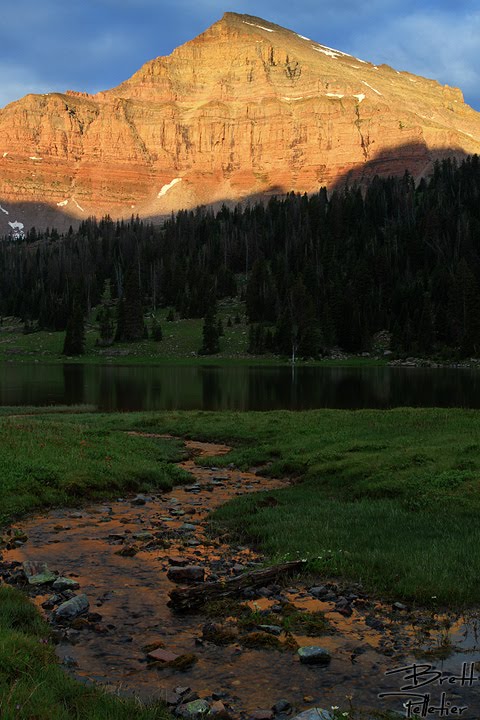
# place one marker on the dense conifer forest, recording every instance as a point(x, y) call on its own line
point(316, 272)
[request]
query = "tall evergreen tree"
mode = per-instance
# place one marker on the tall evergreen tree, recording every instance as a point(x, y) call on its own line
point(210, 342)
point(130, 323)
point(74, 343)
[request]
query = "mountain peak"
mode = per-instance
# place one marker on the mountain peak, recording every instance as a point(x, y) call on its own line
point(247, 108)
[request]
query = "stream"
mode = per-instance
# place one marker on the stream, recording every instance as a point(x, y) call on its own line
point(121, 553)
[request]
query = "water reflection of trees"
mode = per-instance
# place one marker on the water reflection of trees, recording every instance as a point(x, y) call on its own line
point(236, 387)
point(73, 384)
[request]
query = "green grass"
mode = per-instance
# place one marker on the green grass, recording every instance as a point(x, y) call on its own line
point(46, 461)
point(388, 498)
point(182, 339)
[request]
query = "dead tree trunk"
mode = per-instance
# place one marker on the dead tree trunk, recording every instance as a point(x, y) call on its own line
point(187, 598)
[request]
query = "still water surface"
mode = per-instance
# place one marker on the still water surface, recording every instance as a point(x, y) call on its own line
point(241, 387)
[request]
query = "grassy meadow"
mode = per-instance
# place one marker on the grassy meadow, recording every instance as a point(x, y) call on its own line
point(387, 498)
point(181, 341)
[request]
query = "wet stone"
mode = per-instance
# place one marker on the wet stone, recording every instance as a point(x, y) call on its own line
point(281, 706)
point(193, 710)
point(161, 655)
point(50, 602)
point(374, 623)
point(186, 574)
point(315, 714)
point(262, 715)
point(314, 655)
point(178, 560)
point(143, 536)
point(218, 708)
point(69, 662)
point(63, 583)
point(172, 698)
point(72, 608)
point(271, 629)
point(37, 573)
point(139, 500)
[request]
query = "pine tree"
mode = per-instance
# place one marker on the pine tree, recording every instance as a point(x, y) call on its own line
point(210, 344)
point(156, 332)
point(130, 324)
point(105, 317)
point(75, 334)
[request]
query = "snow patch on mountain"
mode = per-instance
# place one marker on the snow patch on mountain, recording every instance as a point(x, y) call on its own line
point(371, 88)
point(328, 52)
point(78, 206)
point(259, 26)
point(62, 203)
point(4, 211)
point(168, 187)
point(17, 232)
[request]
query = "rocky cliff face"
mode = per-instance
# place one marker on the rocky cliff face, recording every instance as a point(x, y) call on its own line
point(247, 108)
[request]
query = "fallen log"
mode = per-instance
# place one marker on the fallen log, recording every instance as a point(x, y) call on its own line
point(187, 598)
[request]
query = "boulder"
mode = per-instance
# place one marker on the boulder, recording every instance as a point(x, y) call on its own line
point(193, 710)
point(314, 655)
point(37, 573)
point(72, 608)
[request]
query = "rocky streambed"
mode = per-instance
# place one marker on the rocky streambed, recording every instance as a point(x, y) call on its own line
point(102, 575)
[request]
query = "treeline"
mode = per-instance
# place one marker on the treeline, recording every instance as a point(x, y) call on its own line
point(315, 272)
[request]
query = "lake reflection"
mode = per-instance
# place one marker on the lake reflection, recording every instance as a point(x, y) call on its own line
point(242, 387)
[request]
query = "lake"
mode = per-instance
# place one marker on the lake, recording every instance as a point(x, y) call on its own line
point(235, 387)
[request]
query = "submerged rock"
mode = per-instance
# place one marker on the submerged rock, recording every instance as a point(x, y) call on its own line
point(262, 715)
point(315, 714)
point(314, 655)
point(63, 583)
point(282, 706)
point(37, 573)
point(161, 655)
point(187, 574)
point(72, 608)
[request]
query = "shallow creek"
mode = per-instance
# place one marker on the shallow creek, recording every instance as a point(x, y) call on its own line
point(130, 594)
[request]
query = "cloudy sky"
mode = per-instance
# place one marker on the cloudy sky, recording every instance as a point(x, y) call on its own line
point(92, 45)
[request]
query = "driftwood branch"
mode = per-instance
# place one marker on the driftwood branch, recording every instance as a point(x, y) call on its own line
point(187, 598)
